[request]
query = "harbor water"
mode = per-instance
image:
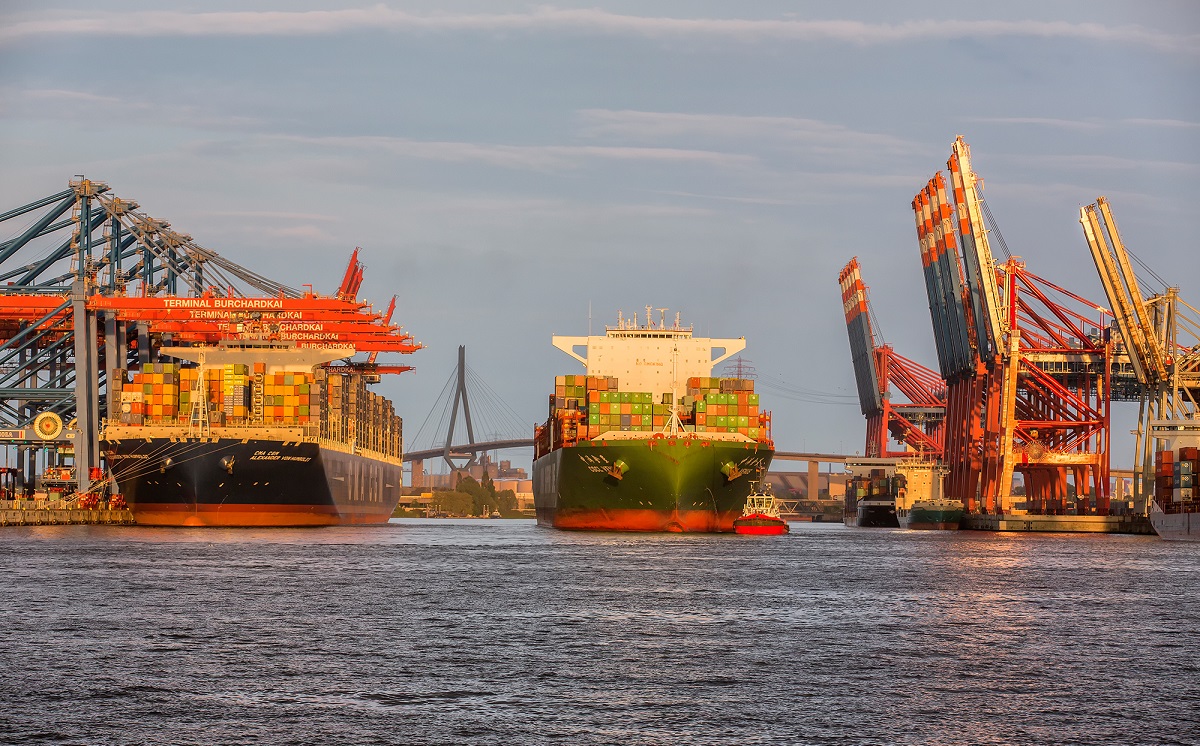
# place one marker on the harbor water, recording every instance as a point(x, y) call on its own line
point(500, 632)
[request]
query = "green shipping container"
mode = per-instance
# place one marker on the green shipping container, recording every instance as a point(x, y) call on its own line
point(635, 408)
point(626, 397)
point(753, 433)
point(753, 399)
point(593, 419)
point(743, 421)
point(701, 406)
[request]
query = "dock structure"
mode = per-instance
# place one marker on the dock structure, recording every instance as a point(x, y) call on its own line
point(55, 512)
point(1085, 524)
point(94, 290)
point(1027, 373)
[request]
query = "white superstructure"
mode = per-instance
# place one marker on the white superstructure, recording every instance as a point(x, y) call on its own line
point(655, 358)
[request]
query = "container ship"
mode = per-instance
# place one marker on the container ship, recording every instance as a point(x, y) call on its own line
point(1175, 509)
point(648, 440)
point(899, 493)
point(254, 435)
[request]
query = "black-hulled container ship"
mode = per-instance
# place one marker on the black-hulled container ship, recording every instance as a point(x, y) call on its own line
point(647, 439)
point(254, 435)
point(871, 494)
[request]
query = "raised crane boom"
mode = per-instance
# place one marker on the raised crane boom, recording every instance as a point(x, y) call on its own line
point(919, 424)
point(990, 316)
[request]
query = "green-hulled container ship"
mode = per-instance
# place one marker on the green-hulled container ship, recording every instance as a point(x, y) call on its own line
point(647, 439)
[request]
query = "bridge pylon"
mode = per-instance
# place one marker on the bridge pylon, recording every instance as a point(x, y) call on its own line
point(460, 395)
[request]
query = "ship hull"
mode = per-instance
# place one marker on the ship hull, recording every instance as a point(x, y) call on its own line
point(942, 516)
point(876, 514)
point(672, 485)
point(759, 524)
point(253, 482)
point(1183, 526)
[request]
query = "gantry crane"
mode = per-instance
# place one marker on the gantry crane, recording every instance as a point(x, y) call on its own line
point(1030, 373)
point(1161, 338)
point(877, 368)
point(106, 284)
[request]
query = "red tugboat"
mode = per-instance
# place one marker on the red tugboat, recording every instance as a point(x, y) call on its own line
point(761, 515)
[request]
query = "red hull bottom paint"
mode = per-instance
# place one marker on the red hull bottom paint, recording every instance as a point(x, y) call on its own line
point(261, 516)
point(687, 521)
point(760, 525)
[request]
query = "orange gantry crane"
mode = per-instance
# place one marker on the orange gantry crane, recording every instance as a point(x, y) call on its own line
point(1030, 368)
point(104, 285)
point(917, 424)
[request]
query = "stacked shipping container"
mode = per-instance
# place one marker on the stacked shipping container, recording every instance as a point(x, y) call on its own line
point(589, 406)
point(353, 414)
point(240, 395)
point(1175, 477)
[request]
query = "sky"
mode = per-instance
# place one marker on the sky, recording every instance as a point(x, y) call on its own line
point(509, 168)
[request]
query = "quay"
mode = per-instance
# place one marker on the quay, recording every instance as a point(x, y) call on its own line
point(1089, 524)
point(57, 512)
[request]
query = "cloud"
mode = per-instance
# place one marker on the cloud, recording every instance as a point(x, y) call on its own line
point(1169, 123)
point(1091, 123)
point(813, 134)
point(1083, 162)
point(301, 232)
point(586, 21)
point(268, 215)
point(63, 104)
point(535, 157)
point(1072, 124)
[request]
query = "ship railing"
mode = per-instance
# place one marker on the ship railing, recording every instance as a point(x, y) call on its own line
point(344, 447)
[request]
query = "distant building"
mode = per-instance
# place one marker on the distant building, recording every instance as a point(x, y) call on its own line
point(503, 474)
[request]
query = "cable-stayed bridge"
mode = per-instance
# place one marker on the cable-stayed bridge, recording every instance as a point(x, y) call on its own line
point(464, 389)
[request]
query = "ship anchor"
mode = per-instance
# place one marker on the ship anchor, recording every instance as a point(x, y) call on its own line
point(731, 471)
